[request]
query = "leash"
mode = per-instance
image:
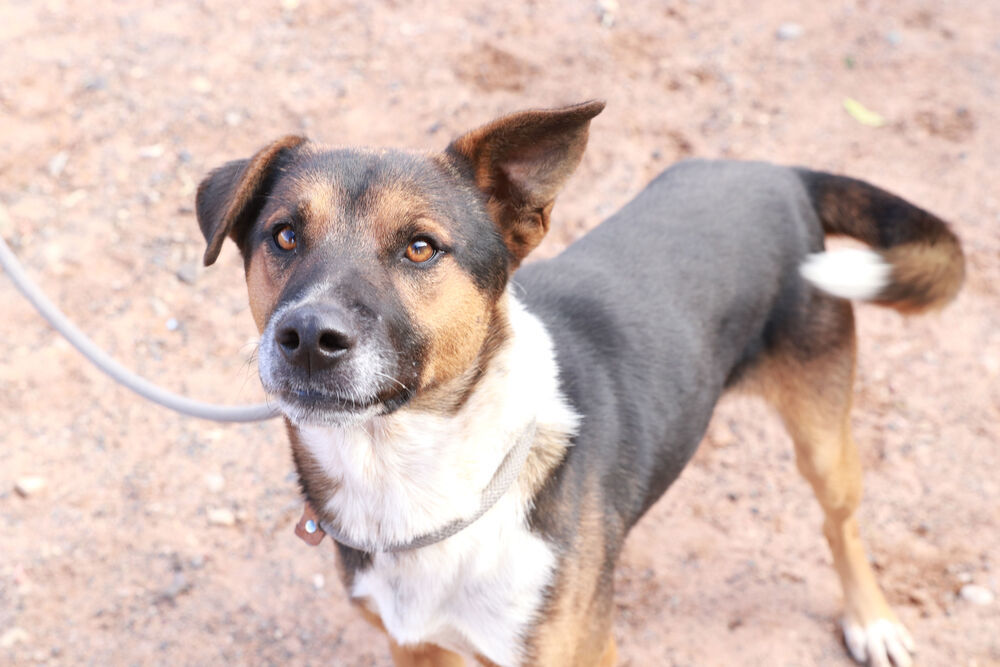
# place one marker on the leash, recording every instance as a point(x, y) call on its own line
point(117, 372)
point(312, 530)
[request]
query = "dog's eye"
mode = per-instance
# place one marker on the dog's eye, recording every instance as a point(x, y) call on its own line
point(420, 251)
point(284, 237)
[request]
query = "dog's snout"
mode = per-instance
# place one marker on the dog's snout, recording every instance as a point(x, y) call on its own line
point(314, 337)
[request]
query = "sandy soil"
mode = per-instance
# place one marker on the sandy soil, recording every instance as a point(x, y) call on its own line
point(110, 113)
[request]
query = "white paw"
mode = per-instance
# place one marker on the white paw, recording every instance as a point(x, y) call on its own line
point(882, 643)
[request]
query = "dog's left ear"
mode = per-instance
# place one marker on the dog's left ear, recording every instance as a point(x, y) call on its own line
point(520, 162)
point(231, 196)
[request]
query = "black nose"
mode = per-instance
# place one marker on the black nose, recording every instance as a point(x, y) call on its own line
point(314, 337)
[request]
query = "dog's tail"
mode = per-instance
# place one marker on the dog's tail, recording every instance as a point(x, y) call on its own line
point(915, 264)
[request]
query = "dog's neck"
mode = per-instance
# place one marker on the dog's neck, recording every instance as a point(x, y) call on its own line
point(399, 476)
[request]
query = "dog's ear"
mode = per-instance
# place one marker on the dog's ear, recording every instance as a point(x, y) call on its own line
point(520, 162)
point(231, 196)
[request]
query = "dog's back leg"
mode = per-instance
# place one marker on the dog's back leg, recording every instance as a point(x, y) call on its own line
point(809, 378)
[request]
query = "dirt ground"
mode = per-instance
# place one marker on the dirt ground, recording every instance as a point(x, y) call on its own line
point(162, 540)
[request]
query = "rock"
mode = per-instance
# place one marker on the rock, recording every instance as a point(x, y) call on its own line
point(215, 483)
point(13, 636)
point(57, 163)
point(152, 152)
point(221, 517)
point(789, 31)
point(95, 82)
point(894, 37)
point(319, 581)
point(178, 585)
point(607, 9)
point(188, 272)
point(976, 594)
point(74, 198)
point(29, 486)
point(201, 84)
point(160, 309)
point(233, 118)
point(173, 324)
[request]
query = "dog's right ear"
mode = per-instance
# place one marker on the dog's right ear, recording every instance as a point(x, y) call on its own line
point(520, 162)
point(231, 196)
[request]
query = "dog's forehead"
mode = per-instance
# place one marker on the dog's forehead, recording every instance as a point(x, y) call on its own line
point(344, 186)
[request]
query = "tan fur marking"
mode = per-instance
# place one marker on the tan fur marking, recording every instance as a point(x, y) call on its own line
point(454, 315)
point(577, 621)
point(924, 277)
point(610, 656)
point(393, 205)
point(813, 398)
point(424, 655)
point(547, 452)
point(322, 199)
point(262, 290)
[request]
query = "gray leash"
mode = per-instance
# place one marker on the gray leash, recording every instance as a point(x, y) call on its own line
point(502, 480)
point(500, 483)
point(117, 372)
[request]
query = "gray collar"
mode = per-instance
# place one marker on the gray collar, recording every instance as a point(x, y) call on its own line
point(311, 529)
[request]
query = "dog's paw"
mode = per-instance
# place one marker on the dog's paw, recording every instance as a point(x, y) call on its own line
point(881, 643)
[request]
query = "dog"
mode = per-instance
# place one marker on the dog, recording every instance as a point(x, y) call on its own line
point(479, 437)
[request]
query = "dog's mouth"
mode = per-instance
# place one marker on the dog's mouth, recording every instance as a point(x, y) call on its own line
point(312, 405)
point(324, 401)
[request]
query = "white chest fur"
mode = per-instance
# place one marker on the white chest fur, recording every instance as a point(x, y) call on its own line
point(411, 473)
point(475, 593)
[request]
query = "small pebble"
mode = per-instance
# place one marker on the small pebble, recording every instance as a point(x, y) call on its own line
point(13, 636)
point(173, 324)
point(607, 9)
point(215, 483)
point(188, 272)
point(233, 118)
point(57, 163)
point(29, 486)
point(976, 594)
point(178, 585)
point(789, 31)
point(74, 198)
point(152, 152)
point(221, 517)
point(894, 37)
point(201, 84)
point(160, 309)
point(319, 581)
point(95, 82)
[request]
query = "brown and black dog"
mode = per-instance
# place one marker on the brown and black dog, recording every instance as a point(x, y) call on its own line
point(413, 360)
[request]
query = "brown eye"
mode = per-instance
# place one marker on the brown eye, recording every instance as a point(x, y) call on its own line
point(284, 237)
point(419, 251)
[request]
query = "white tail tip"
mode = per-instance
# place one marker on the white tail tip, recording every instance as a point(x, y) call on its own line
point(848, 273)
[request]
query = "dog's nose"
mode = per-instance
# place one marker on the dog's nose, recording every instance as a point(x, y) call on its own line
point(314, 337)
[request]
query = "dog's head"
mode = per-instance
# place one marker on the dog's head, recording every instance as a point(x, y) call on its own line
point(375, 276)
